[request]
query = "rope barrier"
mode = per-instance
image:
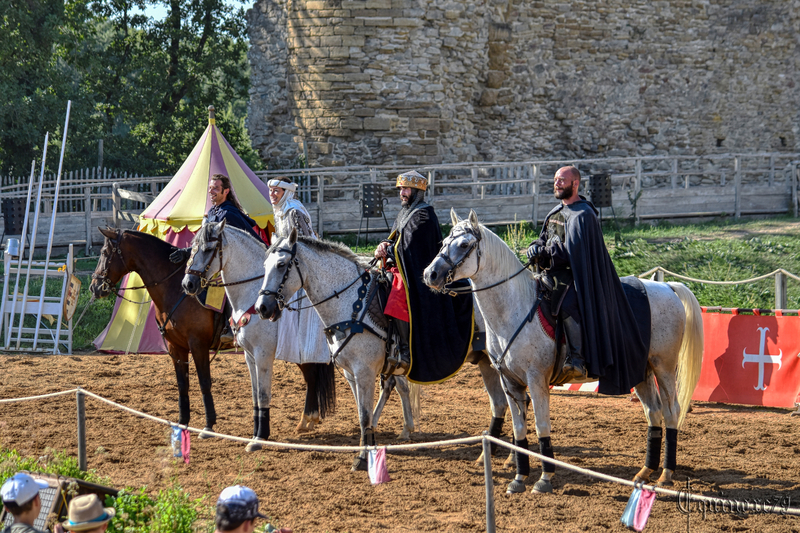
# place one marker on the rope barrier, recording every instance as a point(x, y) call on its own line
point(26, 398)
point(711, 282)
point(681, 495)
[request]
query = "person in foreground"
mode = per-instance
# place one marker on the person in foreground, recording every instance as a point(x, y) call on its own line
point(237, 510)
point(87, 515)
point(21, 498)
point(584, 289)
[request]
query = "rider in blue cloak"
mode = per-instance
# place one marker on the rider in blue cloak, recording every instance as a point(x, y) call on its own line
point(603, 340)
point(225, 206)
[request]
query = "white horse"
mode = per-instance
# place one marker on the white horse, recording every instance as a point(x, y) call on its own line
point(673, 366)
point(329, 272)
point(239, 258)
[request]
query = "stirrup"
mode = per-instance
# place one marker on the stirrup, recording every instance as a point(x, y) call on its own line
point(574, 369)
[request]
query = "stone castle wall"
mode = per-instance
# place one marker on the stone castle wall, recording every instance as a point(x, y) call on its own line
point(418, 82)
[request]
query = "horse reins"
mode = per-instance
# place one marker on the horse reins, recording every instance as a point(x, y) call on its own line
point(280, 298)
point(211, 281)
point(105, 281)
point(453, 266)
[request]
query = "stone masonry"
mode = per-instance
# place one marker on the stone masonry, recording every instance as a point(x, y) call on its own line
point(418, 82)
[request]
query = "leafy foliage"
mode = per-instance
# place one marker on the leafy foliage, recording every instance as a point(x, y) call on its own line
point(140, 85)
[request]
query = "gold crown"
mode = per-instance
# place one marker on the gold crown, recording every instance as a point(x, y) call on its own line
point(412, 179)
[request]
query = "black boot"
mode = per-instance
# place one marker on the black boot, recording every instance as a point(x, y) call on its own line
point(403, 330)
point(226, 337)
point(574, 366)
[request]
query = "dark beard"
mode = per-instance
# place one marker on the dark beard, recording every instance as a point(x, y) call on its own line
point(411, 199)
point(565, 193)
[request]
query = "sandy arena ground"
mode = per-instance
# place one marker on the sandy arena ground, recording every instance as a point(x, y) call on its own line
point(740, 452)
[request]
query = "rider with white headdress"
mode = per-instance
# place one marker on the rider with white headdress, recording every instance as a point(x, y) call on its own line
point(300, 336)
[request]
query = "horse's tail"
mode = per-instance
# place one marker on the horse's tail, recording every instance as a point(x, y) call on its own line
point(326, 388)
point(690, 360)
point(416, 406)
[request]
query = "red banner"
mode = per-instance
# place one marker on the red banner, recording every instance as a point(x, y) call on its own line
point(751, 360)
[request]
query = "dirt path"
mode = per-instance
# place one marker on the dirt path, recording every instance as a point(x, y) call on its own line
point(741, 452)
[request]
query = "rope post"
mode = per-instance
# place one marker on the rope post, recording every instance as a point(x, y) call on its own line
point(81, 429)
point(780, 291)
point(487, 472)
point(659, 276)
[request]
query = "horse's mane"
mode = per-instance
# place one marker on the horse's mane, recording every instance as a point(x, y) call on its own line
point(508, 263)
point(203, 235)
point(321, 245)
point(152, 240)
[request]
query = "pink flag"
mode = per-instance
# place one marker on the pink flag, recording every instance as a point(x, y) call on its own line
point(378, 471)
point(646, 500)
point(185, 445)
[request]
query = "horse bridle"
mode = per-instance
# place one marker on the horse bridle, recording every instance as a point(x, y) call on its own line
point(453, 265)
point(280, 299)
point(206, 281)
point(105, 282)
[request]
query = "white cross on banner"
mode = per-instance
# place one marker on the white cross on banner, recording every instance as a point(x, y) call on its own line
point(751, 360)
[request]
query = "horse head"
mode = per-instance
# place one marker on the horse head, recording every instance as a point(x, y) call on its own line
point(207, 245)
point(111, 266)
point(278, 279)
point(459, 256)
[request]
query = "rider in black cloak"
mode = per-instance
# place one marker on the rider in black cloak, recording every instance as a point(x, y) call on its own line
point(603, 339)
point(434, 329)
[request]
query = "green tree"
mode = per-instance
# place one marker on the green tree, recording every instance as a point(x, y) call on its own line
point(141, 85)
point(31, 87)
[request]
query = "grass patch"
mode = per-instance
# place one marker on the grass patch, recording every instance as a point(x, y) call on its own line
point(172, 509)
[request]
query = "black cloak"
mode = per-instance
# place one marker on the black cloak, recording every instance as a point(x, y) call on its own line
point(612, 346)
point(441, 325)
point(228, 211)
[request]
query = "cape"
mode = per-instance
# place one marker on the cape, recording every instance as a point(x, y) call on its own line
point(441, 325)
point(612, 346)
point(228, 211)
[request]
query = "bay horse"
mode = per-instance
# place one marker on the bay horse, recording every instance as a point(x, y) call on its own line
point(527, 358)
point(187, 325)
point(330, 273)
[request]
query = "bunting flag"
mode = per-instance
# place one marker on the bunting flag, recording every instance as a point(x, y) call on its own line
point(174, 216)
point(378, 471)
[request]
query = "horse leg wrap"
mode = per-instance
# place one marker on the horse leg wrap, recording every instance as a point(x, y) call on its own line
point(523, 460)
point(671, 449)
point(546, 449)
point(183, 409)
point(263, 423)
point(255, 421)
point(495, 430)
point(368, 439)
point(653, 457)
point(211, 413)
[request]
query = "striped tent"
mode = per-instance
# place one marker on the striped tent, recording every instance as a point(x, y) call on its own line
point(174, 216)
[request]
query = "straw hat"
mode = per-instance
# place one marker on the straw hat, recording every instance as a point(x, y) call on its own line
point(86, 513)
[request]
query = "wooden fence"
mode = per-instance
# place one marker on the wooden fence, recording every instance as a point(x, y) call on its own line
point(643, 188)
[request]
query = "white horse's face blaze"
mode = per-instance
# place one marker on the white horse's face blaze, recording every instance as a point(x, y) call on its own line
point(460, 243)
point(203, 254)
point(275, 266)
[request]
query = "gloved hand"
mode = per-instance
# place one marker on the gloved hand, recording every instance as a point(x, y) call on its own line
point(535, 251)
point(180, 255)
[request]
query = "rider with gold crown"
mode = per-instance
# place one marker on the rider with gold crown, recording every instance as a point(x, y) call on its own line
point(434, 330)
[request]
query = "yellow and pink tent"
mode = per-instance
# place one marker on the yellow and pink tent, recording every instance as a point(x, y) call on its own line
point(174, 216)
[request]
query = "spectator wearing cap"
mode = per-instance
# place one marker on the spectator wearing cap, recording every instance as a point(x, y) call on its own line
point(87, 515)
point(237, 510)
point(21, 498)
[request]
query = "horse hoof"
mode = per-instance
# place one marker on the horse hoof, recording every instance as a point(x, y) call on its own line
point(515, 487)
point(206, 433)
point(667, 483)
point(254, 445)
point(542, 486)
point(359, 465)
